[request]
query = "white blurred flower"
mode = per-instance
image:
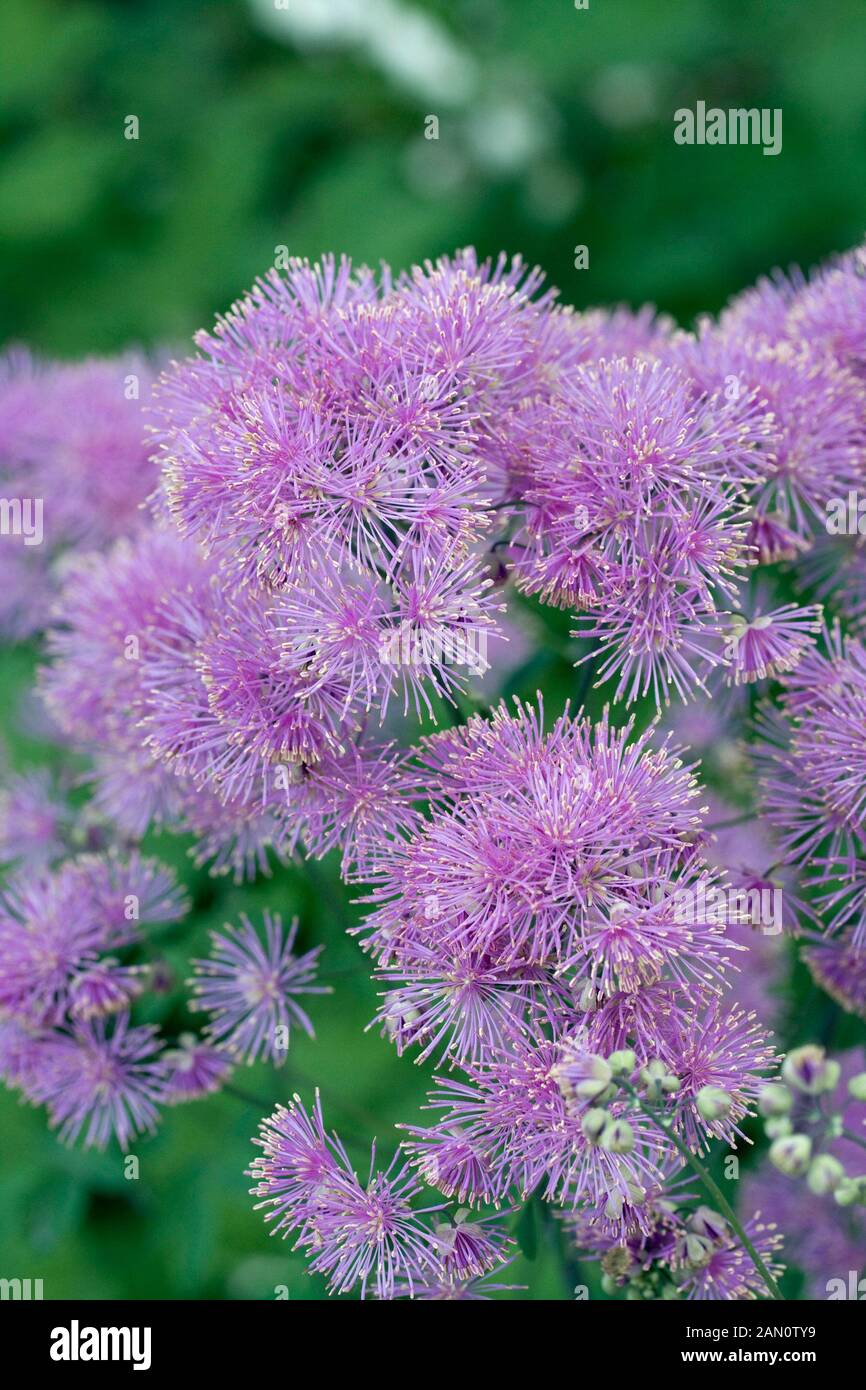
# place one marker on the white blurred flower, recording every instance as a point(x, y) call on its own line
point(409, 46)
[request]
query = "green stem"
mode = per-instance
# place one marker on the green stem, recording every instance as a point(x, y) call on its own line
point(712, 1188)
point(855, 1138)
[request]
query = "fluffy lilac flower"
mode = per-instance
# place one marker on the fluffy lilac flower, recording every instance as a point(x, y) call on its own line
point(444, 1289)
point(123, 892)
point(724, 1049)
point(329, 405)
point(459, 1003)
point(766, 644)
point(636, 1248)
point(297, 1163)
point(354, 460)
point(514, 868)
point(726, 1270)
point(72, 436)
point(522, 1116)
point(632, 485)
point(236, 838)
point(55, 929)
point(369, 1233)
point(194, 1068)
point(47, 935)
point(248, 986)
point(839, 967)
point(817, 446)
point(227, 706)
point(366, 1234)
point(35, 820)
point(112, 609)
point(814, 781)
point(830, 312)
point(98, 1082)
point(623, 332)
point(105, 987)
point(360, 799)
point(763, 310)
point(472, 1245)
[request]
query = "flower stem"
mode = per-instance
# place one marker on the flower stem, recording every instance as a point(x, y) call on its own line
point(712, 1188)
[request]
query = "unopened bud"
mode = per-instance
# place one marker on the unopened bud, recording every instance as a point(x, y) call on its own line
point(657, 1080)
point(809, 1070)
point(792, 1154)
point(775, 1100)
point(845, 1194)
point(653, 1072)
point(622, 1063)
point(706, 1222)
point(618, 1137)
point(825, 1175)
point(594, 1123)
point(779, 1127)
point(857, 1086)
point(713, 1103)
point(699, 1250)
point(596, 1078)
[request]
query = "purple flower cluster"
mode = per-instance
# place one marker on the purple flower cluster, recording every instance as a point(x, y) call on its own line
point(73, 446)
point(66, 994)
point(683, 1253)
point(531, 927)
point(367, 1234)
point(248, 988)
point(355, 471)
point(813, 795)
point(73, 963)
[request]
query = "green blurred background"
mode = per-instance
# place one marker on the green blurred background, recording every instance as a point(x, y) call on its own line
point(304, 127)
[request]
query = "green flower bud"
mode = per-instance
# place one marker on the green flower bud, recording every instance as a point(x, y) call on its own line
point(708, 1223)
point(857, 1086)
point(775, 1100)
point(618, 1137)
point(609, 1286)
point(713, 1103)
point(657, 1080)
point(597, 1079)
point(698, 1250)
point(622, 1063)
point(792, 1154)
point(824, 1175)
point(594, 1123)
point(846, 1193)
point(653, 1071)
point(779, 1127)
point(809, 1070)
